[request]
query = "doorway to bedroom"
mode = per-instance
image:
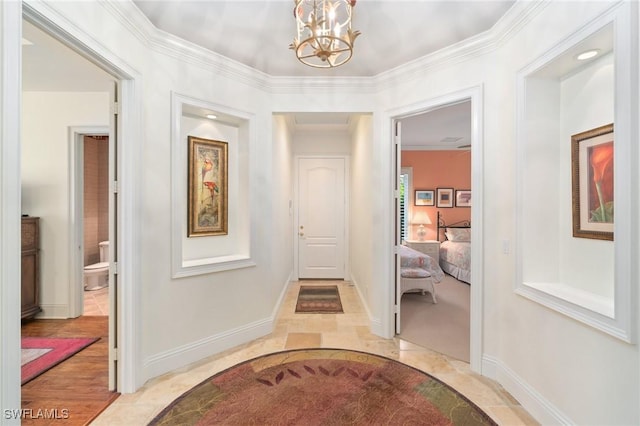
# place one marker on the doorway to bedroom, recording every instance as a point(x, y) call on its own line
point(434, 216)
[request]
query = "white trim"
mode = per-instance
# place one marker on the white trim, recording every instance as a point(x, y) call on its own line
point(54, 311)
point(244, 121)
point(374, 323)
point(129, 307)
point(10, 205)
point(531, 400)
point(76, 214)
point(511, 22)
point(621, 321)
point(186, 354)
point(129, 136)
point(296, 201)
point(160, 41)
point(283, 293)
point(475, 94)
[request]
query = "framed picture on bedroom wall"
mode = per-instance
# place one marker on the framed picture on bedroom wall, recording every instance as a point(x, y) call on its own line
point(444, 197)
point(463, 198)
point(424, 197)
point(592, 172)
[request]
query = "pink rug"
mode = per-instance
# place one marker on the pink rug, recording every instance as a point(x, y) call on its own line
point(41, 353)
point(319, 387)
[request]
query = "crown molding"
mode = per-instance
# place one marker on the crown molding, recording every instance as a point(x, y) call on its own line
point(297, 85)
point(162, 42)
point(511, 22)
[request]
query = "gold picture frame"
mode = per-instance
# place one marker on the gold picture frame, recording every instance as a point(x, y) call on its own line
point(592, 170)
point(207, 206)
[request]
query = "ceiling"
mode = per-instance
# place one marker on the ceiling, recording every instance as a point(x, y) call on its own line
point(50, 66)
point(258, 33)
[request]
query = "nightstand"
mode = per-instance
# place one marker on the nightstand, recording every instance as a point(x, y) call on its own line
point(428, 247)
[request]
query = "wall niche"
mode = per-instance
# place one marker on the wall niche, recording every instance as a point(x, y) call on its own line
point(560, 95)
point(213, 253)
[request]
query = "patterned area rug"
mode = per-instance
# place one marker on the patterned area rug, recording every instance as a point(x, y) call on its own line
point(319, 300)
point(322, 387)
point(39, 354)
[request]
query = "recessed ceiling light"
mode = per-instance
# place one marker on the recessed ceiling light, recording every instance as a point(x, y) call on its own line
point(211, 116)
point(588, 54)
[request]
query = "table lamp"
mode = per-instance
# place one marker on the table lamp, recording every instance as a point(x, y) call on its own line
point(421, 218)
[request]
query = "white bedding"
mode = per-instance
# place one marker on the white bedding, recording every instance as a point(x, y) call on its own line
point(413, 259)
point(455, 259)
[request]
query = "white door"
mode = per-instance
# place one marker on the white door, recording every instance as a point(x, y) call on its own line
point(113, 233)
point(321, 218)
point(398, 236)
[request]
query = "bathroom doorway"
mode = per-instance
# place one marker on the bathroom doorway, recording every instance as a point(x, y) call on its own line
point(95, 206)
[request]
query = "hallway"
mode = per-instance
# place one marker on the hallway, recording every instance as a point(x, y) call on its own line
point(349, 330)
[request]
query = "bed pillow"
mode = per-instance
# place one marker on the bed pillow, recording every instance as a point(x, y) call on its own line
point(458, 234)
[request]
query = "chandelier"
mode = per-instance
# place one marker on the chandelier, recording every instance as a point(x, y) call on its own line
point(324, 35)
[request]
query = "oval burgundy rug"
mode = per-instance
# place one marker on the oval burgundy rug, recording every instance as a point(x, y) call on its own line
point(322, 387)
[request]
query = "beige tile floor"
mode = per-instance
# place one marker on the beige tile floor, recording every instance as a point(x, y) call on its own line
point(349, 331)
point(96, 302)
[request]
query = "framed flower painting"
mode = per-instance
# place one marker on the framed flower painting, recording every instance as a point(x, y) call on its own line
point(592, 183)
point(207, 206)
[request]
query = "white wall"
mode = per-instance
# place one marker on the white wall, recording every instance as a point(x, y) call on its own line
point(535, 352)
point(282, 196)
point(587, 102)
point(183, 320)
point(46, 171)
point(361, 203)
point(555, 365)
point(237, 239)
point(321, 140)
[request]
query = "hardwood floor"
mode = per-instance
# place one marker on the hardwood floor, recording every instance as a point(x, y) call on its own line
point(79, 385)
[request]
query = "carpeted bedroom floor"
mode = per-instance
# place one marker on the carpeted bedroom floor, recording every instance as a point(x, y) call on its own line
point(442, 327)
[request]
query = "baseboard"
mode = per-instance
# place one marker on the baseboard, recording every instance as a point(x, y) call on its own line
point(50, 311)
point(538, 406)
point(283, 293)
point(375, 323)
point(187, 354)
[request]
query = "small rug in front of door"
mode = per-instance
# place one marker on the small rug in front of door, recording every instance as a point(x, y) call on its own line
point(323, 299)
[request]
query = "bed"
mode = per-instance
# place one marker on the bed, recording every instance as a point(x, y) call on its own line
point(455, 248)
point(418, 272)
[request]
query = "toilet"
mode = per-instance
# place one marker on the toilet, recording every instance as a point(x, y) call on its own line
point(96, 276)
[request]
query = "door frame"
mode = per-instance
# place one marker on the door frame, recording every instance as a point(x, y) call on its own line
point(129, 133)
point(76, 213)
point(475, 94)
point(296, 201)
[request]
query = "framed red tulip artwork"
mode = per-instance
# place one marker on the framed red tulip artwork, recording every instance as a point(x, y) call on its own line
point(592, 183)
point(207, 207)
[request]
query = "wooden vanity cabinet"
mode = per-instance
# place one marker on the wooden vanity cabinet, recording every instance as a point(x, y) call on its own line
point(30, 276)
